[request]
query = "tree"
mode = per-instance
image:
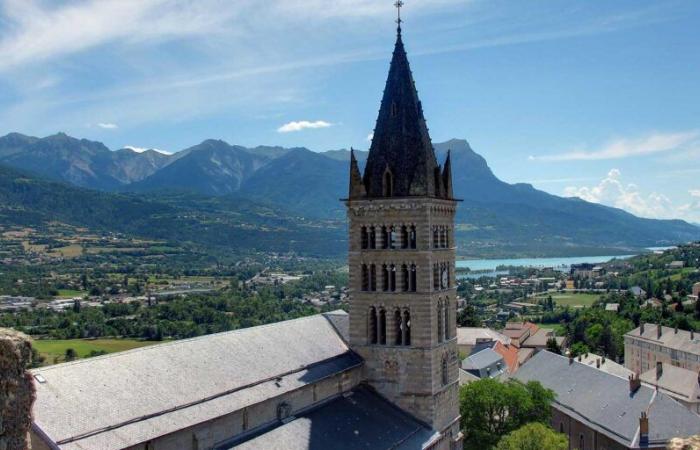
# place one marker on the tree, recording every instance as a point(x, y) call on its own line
point(491, 409)
point(533, 436)
point(552, 346)
point(71, 354)
point(468, 317)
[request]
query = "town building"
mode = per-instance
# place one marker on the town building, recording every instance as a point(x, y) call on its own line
point(384, 376)
point(601, 411)
point(485, 364)
point(696, 290)
point(681, 384)
point(469, 337)
point(529, 335)
point(650, 343)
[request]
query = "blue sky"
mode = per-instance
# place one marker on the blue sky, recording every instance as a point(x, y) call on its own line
point(598, 99)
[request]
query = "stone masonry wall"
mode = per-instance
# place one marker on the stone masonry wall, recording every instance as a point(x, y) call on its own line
point(16, 390)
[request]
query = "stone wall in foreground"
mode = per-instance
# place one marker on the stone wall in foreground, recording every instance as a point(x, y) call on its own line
point(16, 390)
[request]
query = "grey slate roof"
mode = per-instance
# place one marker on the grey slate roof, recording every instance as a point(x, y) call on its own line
point(485, 363)
point(122, 399)
point(676, 381)
point(670, 337)
point(603, 401)
point(362, 420)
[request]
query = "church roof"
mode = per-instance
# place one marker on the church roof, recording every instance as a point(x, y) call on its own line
point(360, 419)
point(122, 399)
point(401, 145)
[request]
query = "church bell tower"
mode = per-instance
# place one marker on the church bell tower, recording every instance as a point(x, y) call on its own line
point(402, 261)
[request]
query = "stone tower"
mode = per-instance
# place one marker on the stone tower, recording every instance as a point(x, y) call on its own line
point(402, 261)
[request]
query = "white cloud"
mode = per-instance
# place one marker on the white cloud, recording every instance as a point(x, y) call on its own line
point(612, 191)
point(625, 148)
point(303, 125)
point(143, 149)
point(370, 137)
point(108, 126)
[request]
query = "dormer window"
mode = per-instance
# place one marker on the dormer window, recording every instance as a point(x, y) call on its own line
point(388, 183)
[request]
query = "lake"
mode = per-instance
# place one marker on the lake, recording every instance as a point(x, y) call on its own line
point(487, 267)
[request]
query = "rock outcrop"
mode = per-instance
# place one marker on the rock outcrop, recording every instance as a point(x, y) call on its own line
point(17, 392)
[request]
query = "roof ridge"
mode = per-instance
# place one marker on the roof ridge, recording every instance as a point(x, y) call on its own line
point(176, 341)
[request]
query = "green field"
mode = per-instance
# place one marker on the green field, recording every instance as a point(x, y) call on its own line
point(56, 349)
point(572, 299)
point(70, 293)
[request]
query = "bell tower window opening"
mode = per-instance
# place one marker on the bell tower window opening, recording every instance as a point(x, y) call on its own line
point(382, 327)
point(405, 281)
point(446, 310)
point(439, 322)
point(385, 278)
point(365, 277)
point(392, 278)
point(412, 237)
point(372, 238)
point(364, 238)
point(412, 284)
point(372, 326)
point(406, 328)
point(385, 238)
point(436, 239)
point(392, 237)
point(445, 375)
point(398, 328)
point(404, 237)
point(372, 277)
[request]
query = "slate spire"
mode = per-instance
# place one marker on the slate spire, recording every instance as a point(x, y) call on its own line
point(357, 187)
point(401, 161)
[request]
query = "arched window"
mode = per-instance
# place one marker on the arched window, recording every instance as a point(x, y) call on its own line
point(388, 183)
point(445, 374)
point(412, 237)
point(442, 237)
point(392, 237)
point(440, 317)
point(412, 284)
point(436, 238)
point(372, 326)
point(372, 277)
point(404, 236)
point(382, 326)
point(405, 281)
point(385, 238)
point(446, 312)
point(407, 328)
point(447, 237)
point(392, 278)
point(398, 328)
point(581, 442)
point(561, 427)
point(372, 237)
point(436, 276)
point(364, 238)
point(385, 277)
point(365, 277)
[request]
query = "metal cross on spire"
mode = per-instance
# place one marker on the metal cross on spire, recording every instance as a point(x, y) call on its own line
point(399, 5)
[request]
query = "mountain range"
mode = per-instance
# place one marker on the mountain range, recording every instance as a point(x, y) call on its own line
point(495, 218)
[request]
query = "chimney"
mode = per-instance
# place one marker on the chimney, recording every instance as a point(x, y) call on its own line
point(580, 358)
point(659, 369)
point(602, 361)
point(571, 358)
point(698, 377)
point(635, 383)
point(641, 329)
point(675, 329)
point(597, 363)
point(692, 333)
point(659, 331)
point(643, 429)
